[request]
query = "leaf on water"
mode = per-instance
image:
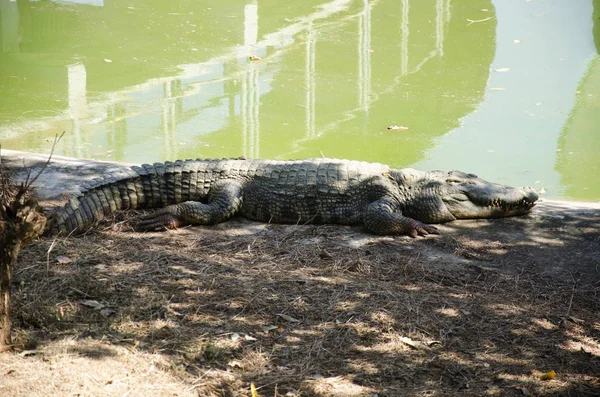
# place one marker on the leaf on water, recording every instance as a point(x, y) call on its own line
point(254, 58)
point(63, 260)
point(107, 60)
point(497, 89)
point(516, 41)
point(502, 70)
point(542, 191)
point(398, 128)
point(484, 10)
point(548, 375)
point(289, 318)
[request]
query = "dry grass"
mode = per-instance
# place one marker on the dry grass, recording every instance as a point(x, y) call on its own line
point(301, 311)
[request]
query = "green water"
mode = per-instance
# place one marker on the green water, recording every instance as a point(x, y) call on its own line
point(507, 89)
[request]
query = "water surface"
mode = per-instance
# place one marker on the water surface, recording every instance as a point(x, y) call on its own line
point(507, 89)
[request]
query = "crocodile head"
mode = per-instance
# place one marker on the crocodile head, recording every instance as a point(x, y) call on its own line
point(458, 195)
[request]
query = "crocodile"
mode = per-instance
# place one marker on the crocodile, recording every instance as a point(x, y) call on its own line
point(385, 201)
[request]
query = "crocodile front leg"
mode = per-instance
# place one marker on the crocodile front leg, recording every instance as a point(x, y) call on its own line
point(224, 200)
point(380, 218)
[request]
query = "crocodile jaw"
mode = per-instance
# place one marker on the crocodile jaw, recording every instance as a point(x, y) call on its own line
point(511, 202)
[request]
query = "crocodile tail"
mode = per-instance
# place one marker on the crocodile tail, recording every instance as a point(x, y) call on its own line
point(146, 186)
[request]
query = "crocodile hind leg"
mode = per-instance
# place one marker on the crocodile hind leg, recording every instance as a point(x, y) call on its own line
point(224, 200)
point(380, 218)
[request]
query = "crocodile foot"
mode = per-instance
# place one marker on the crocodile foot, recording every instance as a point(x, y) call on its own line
point(421, 229)
point(159, 220)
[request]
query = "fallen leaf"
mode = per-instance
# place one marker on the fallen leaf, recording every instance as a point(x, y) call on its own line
point(524, 391)
point(254, 58)
point(548, 375)
point(235, 363)
point(253, 391)
point(289, 318)
point(63, 260)
point(267, 328)
point(249, 338)
point(398, 128)
point(235, 336)
point(93, 304)
point(106, 312)
point(325, 255)
point(502, 70)
point(27, 353)
point(410, 342)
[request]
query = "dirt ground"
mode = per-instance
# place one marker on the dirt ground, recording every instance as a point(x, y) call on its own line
point(485, 308)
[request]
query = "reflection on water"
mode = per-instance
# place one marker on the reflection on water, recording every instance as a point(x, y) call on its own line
point(517, 130)
point(150, 81)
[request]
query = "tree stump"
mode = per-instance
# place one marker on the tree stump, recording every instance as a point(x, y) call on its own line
point(21, 221)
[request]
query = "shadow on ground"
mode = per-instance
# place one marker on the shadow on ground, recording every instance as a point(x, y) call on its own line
point(484, 309)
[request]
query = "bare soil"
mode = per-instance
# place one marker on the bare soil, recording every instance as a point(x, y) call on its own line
point(485, 308)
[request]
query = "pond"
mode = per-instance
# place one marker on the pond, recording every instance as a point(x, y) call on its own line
point(507, 89)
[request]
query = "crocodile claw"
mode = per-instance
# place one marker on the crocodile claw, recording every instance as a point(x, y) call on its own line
point(423, 229)
point(158, 221)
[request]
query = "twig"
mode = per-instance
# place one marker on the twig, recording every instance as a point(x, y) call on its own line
point(27, 182)
point(572, 294)
point(472, 21)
